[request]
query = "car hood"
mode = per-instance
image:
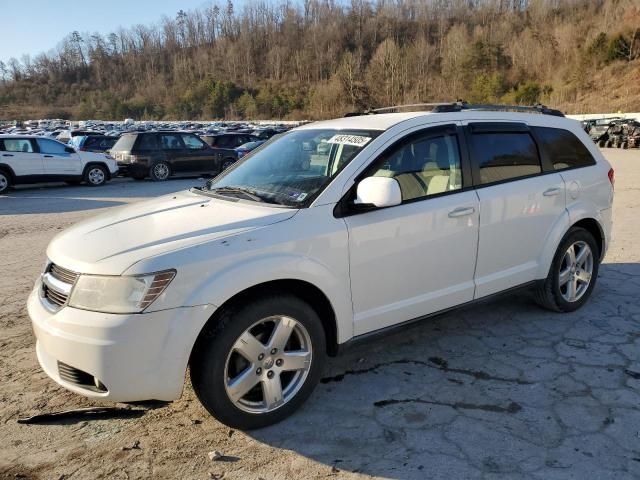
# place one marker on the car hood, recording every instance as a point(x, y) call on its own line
point(110, 243)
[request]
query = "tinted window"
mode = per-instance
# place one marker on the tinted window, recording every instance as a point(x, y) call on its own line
point(505, 156)
point(192, 142)
point(18, 145)
point(170, 142)
point(146, 142)
point(49, 146)
point(424, 166)
point(563, 148)
point(224, 141)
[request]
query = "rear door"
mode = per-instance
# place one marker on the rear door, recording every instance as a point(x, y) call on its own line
point(172, 146)
point(57, 161)
point(519, 204)
point(20, 154)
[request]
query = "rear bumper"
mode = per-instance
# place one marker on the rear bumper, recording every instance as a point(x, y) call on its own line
point(133, 357)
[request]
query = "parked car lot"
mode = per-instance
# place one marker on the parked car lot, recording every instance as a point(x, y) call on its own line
point(503, 388)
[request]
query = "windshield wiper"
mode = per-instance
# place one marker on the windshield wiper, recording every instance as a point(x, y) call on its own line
point(248, 193)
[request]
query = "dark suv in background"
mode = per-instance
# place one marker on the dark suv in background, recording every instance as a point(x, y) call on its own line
point(224, 145)
point(159, 155)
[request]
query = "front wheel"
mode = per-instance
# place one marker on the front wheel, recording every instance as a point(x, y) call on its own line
point(227, 163)
point(95, 176)
point(259, 362)
point(573, 273)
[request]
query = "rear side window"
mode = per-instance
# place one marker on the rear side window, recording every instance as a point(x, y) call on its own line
point(18, 145)
point(192, 142)
point(225, 141)
point(170, 142)
point(146, 142)
point(563, 148)
point(505, 156)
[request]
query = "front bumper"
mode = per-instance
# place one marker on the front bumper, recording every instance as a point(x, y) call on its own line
point(134, 357)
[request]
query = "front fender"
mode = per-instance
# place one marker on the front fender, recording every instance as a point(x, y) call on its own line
point(238, 277)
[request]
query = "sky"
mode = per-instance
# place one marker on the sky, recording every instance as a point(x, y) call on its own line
point(35, 26)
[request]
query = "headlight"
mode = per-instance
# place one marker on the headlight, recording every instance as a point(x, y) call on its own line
point(123, 294)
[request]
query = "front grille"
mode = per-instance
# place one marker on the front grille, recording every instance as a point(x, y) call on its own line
point(62, 274)
point(79, 378)
point(51, 291)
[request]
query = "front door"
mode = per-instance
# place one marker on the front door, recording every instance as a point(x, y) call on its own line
point(57, 161)
point(416, 258)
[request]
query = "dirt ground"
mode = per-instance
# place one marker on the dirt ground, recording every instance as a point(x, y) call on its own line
point(500, 390)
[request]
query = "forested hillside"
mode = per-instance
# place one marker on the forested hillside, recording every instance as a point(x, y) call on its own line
point(321, 58)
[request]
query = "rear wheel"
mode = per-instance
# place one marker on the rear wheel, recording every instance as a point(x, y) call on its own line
point(259, 362)
point(95, 176)
point(160, 172)
point(573, 273)
point(5, 181)
point(625, 145)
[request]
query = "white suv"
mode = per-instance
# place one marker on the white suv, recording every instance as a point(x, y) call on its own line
point(33, 159)
point(300, 249)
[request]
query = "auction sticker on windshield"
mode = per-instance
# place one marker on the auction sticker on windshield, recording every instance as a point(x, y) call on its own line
point(355, 140)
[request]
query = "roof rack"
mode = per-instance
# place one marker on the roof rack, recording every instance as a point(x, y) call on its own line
point(462, 105)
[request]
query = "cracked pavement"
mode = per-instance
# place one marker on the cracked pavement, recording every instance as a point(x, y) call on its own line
point(498, 390)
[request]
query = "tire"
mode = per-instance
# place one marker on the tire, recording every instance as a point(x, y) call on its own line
point(215, 359)
point(5, 181)
point(96, 176)
point(601, 143)
point(554, 295)
point(160, 171)
point(607, 144)
point(226, 163)
point(625, 145)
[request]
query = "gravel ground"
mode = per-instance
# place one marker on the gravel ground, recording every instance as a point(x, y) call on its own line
point(500, 390)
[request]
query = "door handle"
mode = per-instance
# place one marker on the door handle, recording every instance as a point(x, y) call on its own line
point(461, 212)
point(7, 154)
point(551, 192)
point(48, 156)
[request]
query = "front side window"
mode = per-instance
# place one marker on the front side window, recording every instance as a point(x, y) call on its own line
point(505, 156)
point(18, 145)
point(292, 169)
point(563, 148)
point(51, 147)
point(192, 143)
point(426, 165)
point(170, 142)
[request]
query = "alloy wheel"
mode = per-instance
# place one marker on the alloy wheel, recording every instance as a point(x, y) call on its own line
point(576, 270)
point(268, 364)
point(161, 171)
point(4, 182)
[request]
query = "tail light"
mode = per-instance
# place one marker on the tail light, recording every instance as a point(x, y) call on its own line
point(612, 177)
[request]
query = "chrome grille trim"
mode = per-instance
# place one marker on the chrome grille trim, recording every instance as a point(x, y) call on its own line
point(57, 283)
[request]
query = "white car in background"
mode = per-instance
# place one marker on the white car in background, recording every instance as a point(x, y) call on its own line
point(295, 252)
point(35, 159)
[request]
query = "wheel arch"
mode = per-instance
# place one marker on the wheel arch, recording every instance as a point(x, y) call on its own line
point(302, 289)
point(9, 170)
point(94, 163)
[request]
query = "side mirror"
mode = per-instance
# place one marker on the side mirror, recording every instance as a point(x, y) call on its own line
point(379, 192)
point(69, 150)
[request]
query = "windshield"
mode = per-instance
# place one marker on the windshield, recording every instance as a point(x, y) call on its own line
point(293, 168)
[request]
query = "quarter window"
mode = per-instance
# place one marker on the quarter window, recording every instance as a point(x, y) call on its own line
point(423, 166)
point(563, 148)
point(18, 145)
point(146, 142)
point(505, 156)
